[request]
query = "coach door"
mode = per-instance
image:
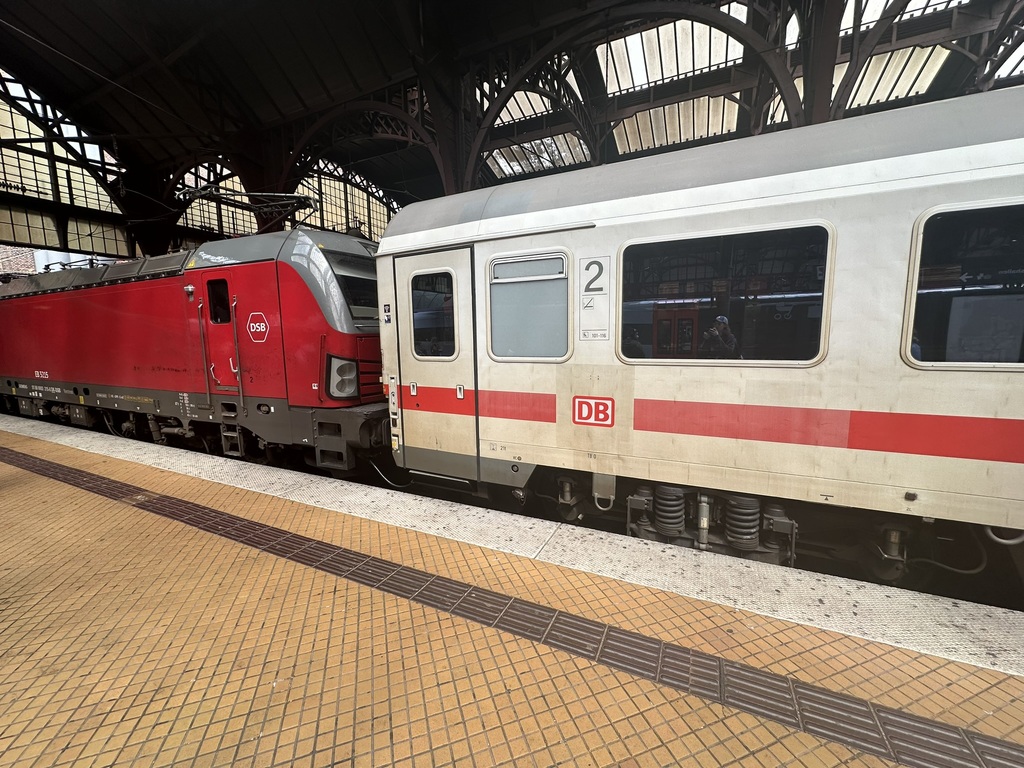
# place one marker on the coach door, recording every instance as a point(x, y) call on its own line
point(437, 363)
point(219, 333)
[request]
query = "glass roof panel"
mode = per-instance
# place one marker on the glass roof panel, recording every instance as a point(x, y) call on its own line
point(677, 123)
point(777, 110)
point(872, 10)
point(667, 52)
point(570, 78)
point(524, 105)
point(346, 200)
point(1013, 66)
point(896, 75)
point(77, 142)
point(97, 237)
point(212, 214)
point(888, 76)
point(48, 157)
point(544, 154)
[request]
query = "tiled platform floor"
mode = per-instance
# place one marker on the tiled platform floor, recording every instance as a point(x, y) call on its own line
point(127, 638)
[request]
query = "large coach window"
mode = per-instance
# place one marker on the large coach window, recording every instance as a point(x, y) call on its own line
point(969, 306)
point(529, 303)
point(753, 295)
point(433, 315)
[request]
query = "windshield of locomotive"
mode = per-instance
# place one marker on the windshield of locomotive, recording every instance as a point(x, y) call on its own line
point(358, 282)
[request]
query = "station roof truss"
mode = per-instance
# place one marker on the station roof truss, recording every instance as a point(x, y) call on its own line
point(363, 108)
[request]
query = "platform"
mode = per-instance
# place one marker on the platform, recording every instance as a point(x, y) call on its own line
point(165, 608)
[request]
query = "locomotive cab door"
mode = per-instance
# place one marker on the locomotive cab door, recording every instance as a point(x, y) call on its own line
point(437, 364)
point(675, 332)
point(219, 331)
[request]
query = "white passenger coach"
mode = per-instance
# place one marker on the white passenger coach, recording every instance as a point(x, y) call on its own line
point(550, 338)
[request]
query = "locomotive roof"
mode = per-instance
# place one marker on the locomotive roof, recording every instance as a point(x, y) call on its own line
point(976, 119)
point(217, 253)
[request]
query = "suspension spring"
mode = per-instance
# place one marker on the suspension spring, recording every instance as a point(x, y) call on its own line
point(670, 509)
point(742, 521)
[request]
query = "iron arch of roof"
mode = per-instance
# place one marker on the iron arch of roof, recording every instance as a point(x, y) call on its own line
point(271, 112)
point(614, 23)
point(377, 140)
point(981, 35)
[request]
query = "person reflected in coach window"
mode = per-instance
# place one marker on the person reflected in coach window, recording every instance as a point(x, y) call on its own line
point(719, 340)
point(631, 344)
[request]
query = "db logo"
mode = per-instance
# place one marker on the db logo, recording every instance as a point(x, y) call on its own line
point(258, 327)
point(593, 411)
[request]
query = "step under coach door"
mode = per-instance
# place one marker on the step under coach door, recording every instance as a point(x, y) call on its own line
point(437, 363)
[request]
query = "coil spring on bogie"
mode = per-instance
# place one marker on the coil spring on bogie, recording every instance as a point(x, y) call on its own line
point(742, 521)
point(670, 509)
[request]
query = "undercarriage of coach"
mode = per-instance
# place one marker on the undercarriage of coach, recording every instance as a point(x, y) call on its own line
point(887, 548)
point(679, 515)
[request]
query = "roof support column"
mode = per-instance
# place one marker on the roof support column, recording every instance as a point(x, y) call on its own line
point(820, 47)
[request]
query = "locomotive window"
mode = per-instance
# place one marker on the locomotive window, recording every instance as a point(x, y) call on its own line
point(220, 304)
point(969, 306)
point(529, 305)
point(357, 282)
point(433, 317)
point(769, 285)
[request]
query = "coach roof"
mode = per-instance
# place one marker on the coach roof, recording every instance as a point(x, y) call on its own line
point(970, 120)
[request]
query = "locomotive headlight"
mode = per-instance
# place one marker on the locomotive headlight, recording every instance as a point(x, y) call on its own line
point(342, 378)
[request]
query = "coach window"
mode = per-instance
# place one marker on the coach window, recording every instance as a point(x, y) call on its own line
point(969, 303)
point(220, 304)
point(433, 315)
point(529, 307)
point(769, 285)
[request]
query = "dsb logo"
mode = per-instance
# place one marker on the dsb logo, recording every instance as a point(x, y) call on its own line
point(593, 411)
point(258, 327)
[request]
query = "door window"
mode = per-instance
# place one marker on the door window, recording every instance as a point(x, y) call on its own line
point(433, 315)
point(220, 304)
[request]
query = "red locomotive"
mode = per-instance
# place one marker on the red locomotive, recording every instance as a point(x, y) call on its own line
point(246, 346)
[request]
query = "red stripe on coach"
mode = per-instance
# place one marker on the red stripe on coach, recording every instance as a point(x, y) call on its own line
point(805, 426)
point(438, 400)
point(522, 406)
point(525, 406)
point(961, 437)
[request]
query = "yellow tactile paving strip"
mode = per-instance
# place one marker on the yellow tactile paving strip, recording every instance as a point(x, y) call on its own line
point(127, 637)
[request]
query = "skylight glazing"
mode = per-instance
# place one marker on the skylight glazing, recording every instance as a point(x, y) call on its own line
point(96, 237)
point(48, 158)
point(677, 123)
point(895, 75)
point(346, 200)
point(28, 227)
point(1013, 66)
point(214, 215)
point(545, 154)
point(667, 52)
point(52, 123)
point(522, 106)
point(871, 10)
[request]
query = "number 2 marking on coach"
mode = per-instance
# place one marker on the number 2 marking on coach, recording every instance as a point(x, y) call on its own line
point(592, 285)
point(594, 309)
